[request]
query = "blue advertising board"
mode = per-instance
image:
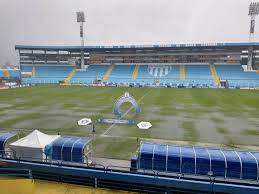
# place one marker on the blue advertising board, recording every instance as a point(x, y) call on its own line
point(116, 121)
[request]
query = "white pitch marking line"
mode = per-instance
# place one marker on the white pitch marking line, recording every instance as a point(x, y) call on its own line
point(109, 128)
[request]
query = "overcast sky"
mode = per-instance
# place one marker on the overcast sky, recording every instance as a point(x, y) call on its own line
point(111, 22)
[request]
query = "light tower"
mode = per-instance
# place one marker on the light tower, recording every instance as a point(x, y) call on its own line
point(253, 12)
point(81, 19)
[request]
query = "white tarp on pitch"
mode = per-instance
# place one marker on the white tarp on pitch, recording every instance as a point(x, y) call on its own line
point(32, 146)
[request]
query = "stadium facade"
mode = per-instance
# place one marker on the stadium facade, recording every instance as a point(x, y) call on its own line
point(170, 53)
point(171, 65)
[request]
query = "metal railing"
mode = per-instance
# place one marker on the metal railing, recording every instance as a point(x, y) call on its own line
point(15, 172)
point(10, 155)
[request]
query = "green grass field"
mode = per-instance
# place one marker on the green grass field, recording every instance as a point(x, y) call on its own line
point(193, 116)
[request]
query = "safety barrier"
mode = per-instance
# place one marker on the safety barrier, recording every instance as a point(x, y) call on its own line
point(147, 182)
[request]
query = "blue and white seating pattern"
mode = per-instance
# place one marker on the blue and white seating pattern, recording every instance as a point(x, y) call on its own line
point(236, 76)
point(93, 72)
point(121, 74)
point(1, 73)
point(163, 75)
point(47, 74)
point(198, 74)
point(14, 73)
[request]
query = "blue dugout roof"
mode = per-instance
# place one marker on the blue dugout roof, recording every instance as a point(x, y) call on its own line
point(4, 137)
point(69, 148)
point(237, 44)
point(199, 161)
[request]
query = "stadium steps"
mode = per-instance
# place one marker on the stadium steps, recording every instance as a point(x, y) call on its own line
point(6, 73)
point(135, 72)
point(33, 72)
point(108, 72)
point(214, 74)
point(70, 75)
point(182, 72)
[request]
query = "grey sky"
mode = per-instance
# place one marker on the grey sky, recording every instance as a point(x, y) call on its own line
point(110, 22)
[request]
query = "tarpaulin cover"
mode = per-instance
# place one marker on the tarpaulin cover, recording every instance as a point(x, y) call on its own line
point(69, 148)
point(31, 147)
point(198, 160)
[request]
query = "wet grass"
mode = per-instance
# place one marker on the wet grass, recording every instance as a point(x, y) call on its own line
point(190, 133)
point(222, 130)
point(184, 106)
point(251, 132)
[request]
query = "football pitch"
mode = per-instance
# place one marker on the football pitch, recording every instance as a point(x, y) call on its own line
point(213, 117)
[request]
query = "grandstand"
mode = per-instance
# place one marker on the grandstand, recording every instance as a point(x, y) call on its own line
point(9, 73)
point(195, 74)
point(9, 77)
point(183, 65)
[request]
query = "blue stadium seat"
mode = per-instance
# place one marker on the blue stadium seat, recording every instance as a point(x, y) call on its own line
point(196, 75)
point(46, 74)
point(236, 76)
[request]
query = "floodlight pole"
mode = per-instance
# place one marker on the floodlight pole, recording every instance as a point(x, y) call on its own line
point(252, 26)
point(82, 44)
point(253, 12)
point(81, 20)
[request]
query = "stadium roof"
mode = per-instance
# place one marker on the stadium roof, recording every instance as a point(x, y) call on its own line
point(239, 45)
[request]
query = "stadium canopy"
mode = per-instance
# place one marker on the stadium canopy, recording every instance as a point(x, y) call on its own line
point(120, 47)
point(198, 161)
point(31, 147)
point(4, 137)
point(67, 148)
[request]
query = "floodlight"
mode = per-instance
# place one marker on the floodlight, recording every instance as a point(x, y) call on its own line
point(81, 19)
point(252, 12)
point(80, 16)
point(253, 9)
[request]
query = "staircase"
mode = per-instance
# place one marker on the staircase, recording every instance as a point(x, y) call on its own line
point(6, 73)
point(135, 72)
point(182, 72)
point(214, 74)
point(33, 72)
point(108, 72)
point(70, 75)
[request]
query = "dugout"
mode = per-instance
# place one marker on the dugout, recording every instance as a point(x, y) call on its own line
point(70, 149)
point(5, 138)
point(198, 161)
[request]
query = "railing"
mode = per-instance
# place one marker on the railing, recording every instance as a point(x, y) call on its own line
point(112, 168)
point(14, 172)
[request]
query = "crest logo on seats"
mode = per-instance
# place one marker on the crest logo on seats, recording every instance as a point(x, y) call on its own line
point(159, 70)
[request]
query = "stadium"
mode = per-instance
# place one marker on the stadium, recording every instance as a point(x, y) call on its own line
point(200, 100)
